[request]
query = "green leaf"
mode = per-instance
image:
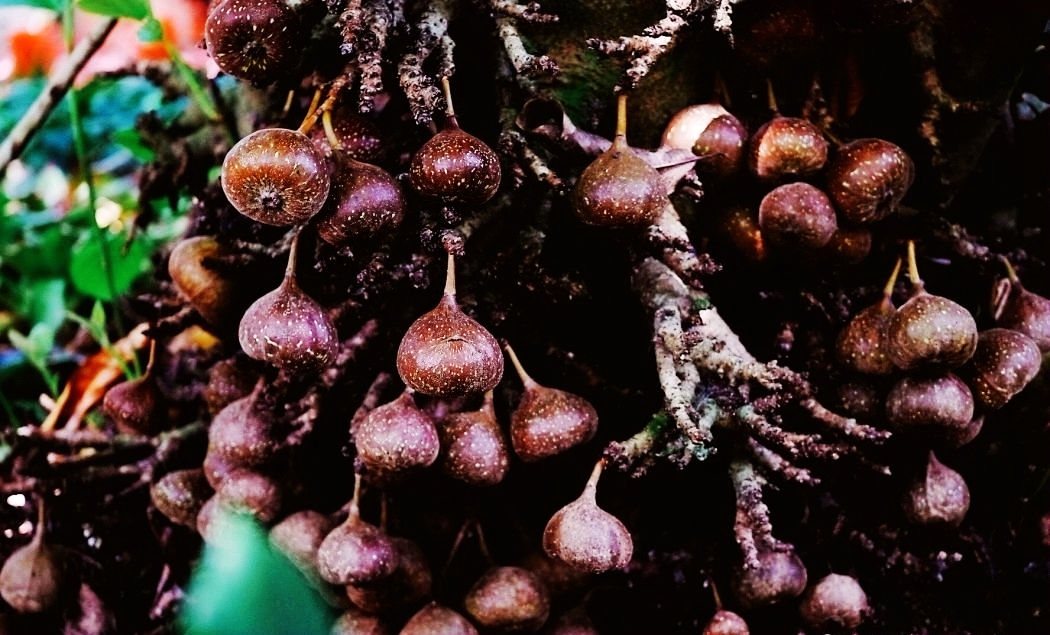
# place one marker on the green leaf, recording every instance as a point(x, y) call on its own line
point(37, 348)
point(151, 31)
point(54, 5)
point(134, 9)
point(130, 139)
point(87, 268)
point(241, 585)
point(45, 301)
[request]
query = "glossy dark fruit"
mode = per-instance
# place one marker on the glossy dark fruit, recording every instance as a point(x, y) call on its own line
point(710, 131)
point(434, 619)
point(364, 201)
point(33, 578)
point(247, 492)
point(936, 402)
point(217, 467)
point(725, 622)
point(354, 621)
point(446, 353)
point(136, 406)
point(861, 346)
point(242, 434)
point(835, 603)
point(797, 216)
point(1003, 364)
point(179, 495)
point(260, 41)
point(930, 331)
point(1021, 310)
point(356, 552)
point(214, 296)
point(358, 136)
point(228, 381)
point(958, 437)
point(938, 496)
point(548, 421)
point(618, 189)
point(276, 176)
point(298, 536)
point(740, 227)
point(780, 575)
point(396, 438)
point(410, 582)
point(508, 599)
point(587, 537)
point(848, 245)
point(867, 179)
point(787, 147)
point(473, 446)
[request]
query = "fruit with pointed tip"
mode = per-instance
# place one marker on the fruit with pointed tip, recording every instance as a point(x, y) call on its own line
point(434, 619)
point(1021, 310)
point(835, 603)
point(298, 536)
point(473, 447)
point(712, 132)
point(938, 496)
point(191, 265)
point(396, 438)
point(508, 599)
point(861, 346)
point(1003, 364)
point(356, 552)
point(938, 403)
point(276, 176)
point(787, 147)
point(136, 406)
point(867, 178)
point(446, 353)
point(797, 216)
point(587, 537)
point(247, 492)
point(408, 584)
point(180, 494)
point(780, 575)
point(242, 434)
point(725, 622)
point(33, 578)
point(364, 201)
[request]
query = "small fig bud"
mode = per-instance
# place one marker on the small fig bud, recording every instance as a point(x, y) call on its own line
point(473, 446)
point(835, 603)
point(867, 179)
point(587, 537)
point(725, 622)
point(939, 496)
point(434, 619)
point(256, 40)
point(548, 421)
point(779, 575)
point(410, 582)
point(446, 353)
point(179, 495)
point(356, 552)
point(396, 438)
point(364, 201)
point(1021, 310)
point(939, 402)
point(787, 147)
point(861, 346)
point(797, 216)
point(1003, 364)
point(508, 599)
point(33, 578)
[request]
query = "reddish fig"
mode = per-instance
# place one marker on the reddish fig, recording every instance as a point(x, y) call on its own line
point(299, 536)
point(548, 421)
point(355, 135)
point(474, 449)
point(434, 619)
point(797, 216)
point(560, 578)
point(575, 621)
point(242, 433)
point(867, 179)
point(939, 496)
point(276, 176)
point(1021, 310)
point(587, 537)
point(356, 552)
point(251, 493)
point(940, 403)
point(287, 328)
point(396, 438)
point(618, 189)
point(835, 603)
point(725, 622)
point(33, 577)
point(779, 575)
point(227, 382)
point(787, 147)
point(410, 582)
point(861, 346)
point(179, 495)
point(508, 599)
point(848, 245)
point(446, 353)
point(860, 400)
point(354, 621)
point(740, 227)
point(364, 201)
point(710, 131)
point(453, 165)
point(1003, 364)
point(137, 406)
point(260, 41)
point(929, 331)
point(217, 298)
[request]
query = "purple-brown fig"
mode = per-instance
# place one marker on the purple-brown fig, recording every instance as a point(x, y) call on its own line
point(1021, 310)
point(298, 536)
point(740, 227)
point(396, 438)
point(446, 353)
point(834, 604)
point(939, 403)
point(780, 575)
point(725, 622)
point(618, 189)
point(587, 537)
point(364, 201)
point(228, 381)
point(797, 216)
point(33, 577)
point(242, 433)
point(356, 552)
point(216, 297)
point(861, 346)
point(575, 621)
point(1003, 364)
point(560, 578)
point(474, 449)
point(710, 131)
point(247, 492)
point(179, 495)
point(508, 599)
point(453, 165)
point(260, 41)
point(848, 245)
point(787, 147)
point(288, 328)
point(136, 406)
point(354, 621)
point(939, 496)
point(410, 582)
point(434, 619)
point(867, 179)
point(276, 176)
point(548, 421)
point(356, 136)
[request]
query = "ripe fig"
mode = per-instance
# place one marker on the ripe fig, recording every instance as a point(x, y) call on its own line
point(216, 297)
point(1021, 310)
point(710, 131)
point(848, 245)
point(247, 492)
point(364, 201)
point(867, 179)
point(228, 381)
point(587, 537)
point(780, 575)
point(356, 552)
point(939, 496)
point(410, 582)
point(446, 353)
point(453, 165)
point(618, 189)
point(787, 147)
point(861, 346)
point(396, 438)
point(560, 578)
point(434, 619)
point(276, 176)
point(548, 421)
point(1003, 364)
point(356, 136)
point(287, 328)
point(179, 495)
point(136, 406)
point(474, 449)
point(929, 331)
point(242, 433)
point(33, 578)
point(835, 603)
point(508, 599)
point(797, 216)
point(256, 40)
point(740, 227)
point(725, 622)
point(299, 536)
point(939, 403)
point(354, 621)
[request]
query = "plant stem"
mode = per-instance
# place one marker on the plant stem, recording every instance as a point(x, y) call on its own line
point(197, 92)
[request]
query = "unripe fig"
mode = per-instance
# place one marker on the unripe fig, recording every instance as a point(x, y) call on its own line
point(835, 603)
point(710, 131)
point(396, 438)
point(780, 575)
point(787, 147)
point(446, 353)
point(548, 421)
point(453, 165)
point(1021, 310)
point(410, 582)
point(474, 449)
point(299, 536)
point(508, 599)
point(434, 619)
point(939, 496)
point(1003, 364)
point(725, 622)
point(357, 136)
point(797, 216)
point(354, 621)
point(287, 328)
point(356, 552)
point(587, 537)
point(861, 346)
point(256, 40)
point(276, 176)
point(364, 201)
point(216, 297)
point(251, 493)
point(937, 402)
point(867, 179)
point(242, 433)
point(33, 578)
point(929, 331)
point(179, 495)
point(618, 189)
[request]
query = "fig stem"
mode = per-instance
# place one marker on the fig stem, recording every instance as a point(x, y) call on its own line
point(771, 97)
point(621, 116)
point(152, 356)
point(447, 90)
point(488, 403)
point(287, 102)
point(311, 113)
point(483, 545)
point(528, 381)
point(329, 131)
point(383, 511)
point(887, 291)
point(1011, 273)
point(450, 277)
point(717, 597)
point(293, 253)
point(913, 268)
point(41, 520)
point(355, 502)
point(591, 488)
